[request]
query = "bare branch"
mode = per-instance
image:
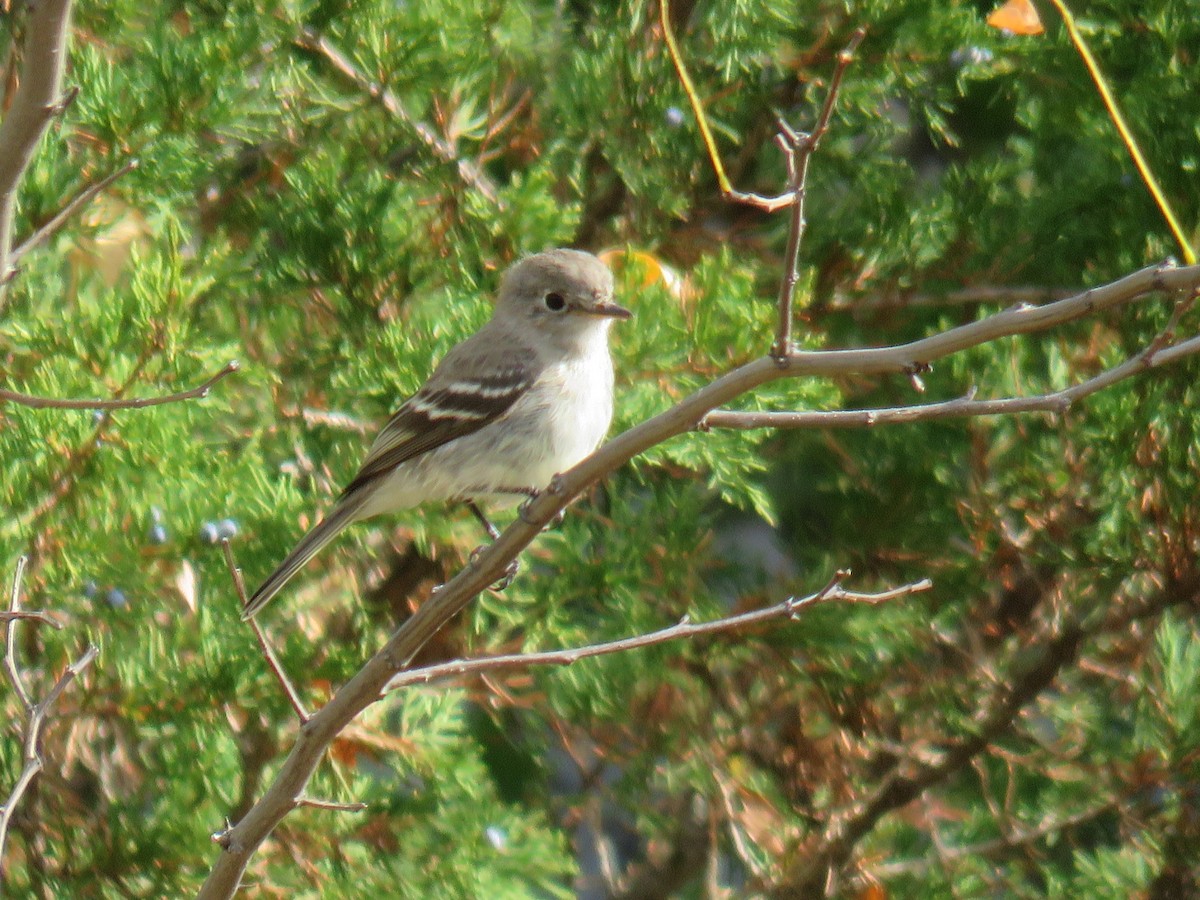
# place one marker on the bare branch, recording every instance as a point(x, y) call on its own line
point(10, 639)
point(468, 170)
point(80, 200)
point(33, 106)
point(967, 296)
point(788, 609)
point(1055, 401)
point(132, 403)
point(36, 714)
point(34, 615)
point(333, 805)
point(289, 689)
point(240, 842)
point(799, 147)
point(728, 192)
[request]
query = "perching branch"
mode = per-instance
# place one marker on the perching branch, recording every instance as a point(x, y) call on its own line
point(1002, 294)
point(35, 713)
point(33, 106)
point(790, 608)
point(131, 403)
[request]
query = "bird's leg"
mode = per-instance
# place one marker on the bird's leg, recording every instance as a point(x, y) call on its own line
point(492, 530)
point(513, 568)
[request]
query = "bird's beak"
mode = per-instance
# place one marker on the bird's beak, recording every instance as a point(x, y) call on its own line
point(609, 310)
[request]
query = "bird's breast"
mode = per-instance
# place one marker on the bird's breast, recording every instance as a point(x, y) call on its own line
point(583, 416)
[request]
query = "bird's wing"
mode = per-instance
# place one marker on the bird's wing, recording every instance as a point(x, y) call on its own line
point(464, 394)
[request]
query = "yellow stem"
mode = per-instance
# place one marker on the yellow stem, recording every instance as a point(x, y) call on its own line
point(693, 98)
point(1131, 144)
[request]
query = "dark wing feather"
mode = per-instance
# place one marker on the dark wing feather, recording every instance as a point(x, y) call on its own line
point(446, 408)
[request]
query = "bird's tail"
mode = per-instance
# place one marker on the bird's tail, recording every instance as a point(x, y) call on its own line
point(310, 545)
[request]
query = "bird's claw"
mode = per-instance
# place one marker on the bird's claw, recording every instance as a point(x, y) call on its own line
point(554, 488)
point(510, 575)
point(510, 571)
point(523, 509)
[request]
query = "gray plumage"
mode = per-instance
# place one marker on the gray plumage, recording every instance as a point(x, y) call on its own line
point(524, 398)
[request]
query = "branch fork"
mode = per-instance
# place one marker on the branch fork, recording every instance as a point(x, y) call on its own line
point(36, 712)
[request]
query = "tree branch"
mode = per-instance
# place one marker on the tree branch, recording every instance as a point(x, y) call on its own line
point(272, 660)
point(790, 608)
point(10, 639)
point(967, 296)
point(332, 805)
point(132, 403)
point(32, 109)
point(35, 713)
point(798, 148)
point(35, 615)
point(1055, 401)
point(468, 170)
point(80, 200)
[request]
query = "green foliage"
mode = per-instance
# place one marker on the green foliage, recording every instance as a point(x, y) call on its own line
point(283, 216)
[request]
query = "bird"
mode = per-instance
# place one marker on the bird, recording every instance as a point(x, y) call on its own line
point(526, 397)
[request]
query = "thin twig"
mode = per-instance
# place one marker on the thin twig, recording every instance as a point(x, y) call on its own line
point(36, 714)
point(468, 170)
point(35, 615)
point(132, 403)
point(10, 639)
point(798, 148)
point(76, 203)
point(334, 805)
point(239, 585)
point(788, 609)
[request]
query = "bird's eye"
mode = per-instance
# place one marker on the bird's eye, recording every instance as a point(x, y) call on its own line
point(554, 301)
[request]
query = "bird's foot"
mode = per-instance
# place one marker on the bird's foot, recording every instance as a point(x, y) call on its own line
point(523, 509)
point(510, 571)
point(554, 488)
